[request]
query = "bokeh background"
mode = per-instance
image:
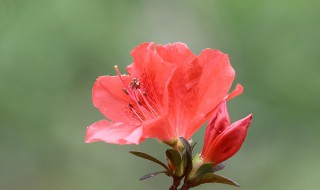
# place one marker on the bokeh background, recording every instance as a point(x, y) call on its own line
point(52, 51)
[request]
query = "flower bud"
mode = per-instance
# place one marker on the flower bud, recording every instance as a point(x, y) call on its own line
point(223, 140)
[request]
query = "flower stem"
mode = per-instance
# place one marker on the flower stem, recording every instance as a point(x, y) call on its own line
point(175, 184)
point(185, 186)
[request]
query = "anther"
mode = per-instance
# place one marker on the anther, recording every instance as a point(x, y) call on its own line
point(138, 84)
point(134, 84)
point(125, 91)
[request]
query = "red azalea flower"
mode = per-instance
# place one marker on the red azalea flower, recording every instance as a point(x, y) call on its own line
point(223, 140)
point(168, 93)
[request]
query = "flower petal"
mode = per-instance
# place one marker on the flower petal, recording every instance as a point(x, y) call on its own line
point(229, 142)
point(183, 95)
point(116, 133)
point(152, 72)
point(113, 103)
point(197, 88)
point(217, 124)
point(237, 91)
point(159, 129)
point(216, 79)
point(177, 53)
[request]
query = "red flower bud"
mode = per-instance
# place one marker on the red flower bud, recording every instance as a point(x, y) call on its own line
point(223, 140)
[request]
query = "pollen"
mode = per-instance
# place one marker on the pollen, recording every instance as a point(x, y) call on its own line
point(135, 84)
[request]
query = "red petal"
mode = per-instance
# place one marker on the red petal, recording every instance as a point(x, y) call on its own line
point(229, 142)
point(116, 133)
point(183, 95)
point(177, 53)
point(218, 123)
point(152, 72)
point(237, 91)
point(113, 103)
point(216, 79)
point(141, 55)
point(159, 129)
point(197, 88)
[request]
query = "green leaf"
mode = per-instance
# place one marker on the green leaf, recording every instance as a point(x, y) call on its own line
point(218, 167)
point(213, 178)
point(175, 158)
point(147, 176)
point(148, 157)
point(203, 170)
point(187, 157)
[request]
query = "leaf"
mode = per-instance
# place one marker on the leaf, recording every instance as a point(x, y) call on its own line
point(192, 147)
point(213, 178)
point(147, 176)
point(148, 157)
point(187, 157)
point(203, 170)
point(218, 167)
point(175, 158)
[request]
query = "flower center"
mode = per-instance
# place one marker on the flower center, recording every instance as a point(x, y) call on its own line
point(140, 104)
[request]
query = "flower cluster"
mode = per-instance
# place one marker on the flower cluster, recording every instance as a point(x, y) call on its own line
point(168, 94)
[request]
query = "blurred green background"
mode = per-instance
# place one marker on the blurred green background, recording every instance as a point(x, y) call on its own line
point(52, 51)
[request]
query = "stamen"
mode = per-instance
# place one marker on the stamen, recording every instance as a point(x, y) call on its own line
point(144, 108)
point(119, 74)
point(133, 84)
point(147, 103)
point(134, 111)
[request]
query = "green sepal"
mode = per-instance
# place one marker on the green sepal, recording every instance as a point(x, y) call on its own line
point(194, 144)
point(186, 157)
point(147, 176)
point(171, 143)
point(203, 170)
point(218, 167)
point(175, 158)
point(148, 157)
point(213, 178)
point(186, 145)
